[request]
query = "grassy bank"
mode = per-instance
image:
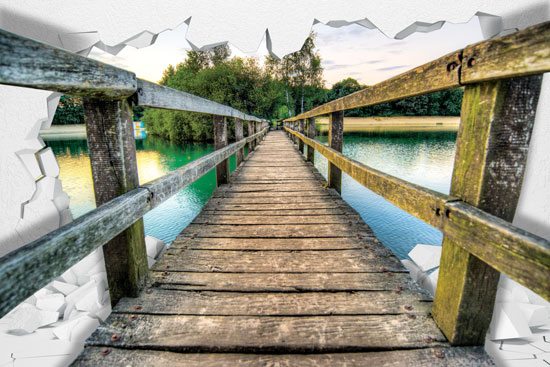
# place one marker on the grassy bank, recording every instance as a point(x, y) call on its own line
point(401, 123)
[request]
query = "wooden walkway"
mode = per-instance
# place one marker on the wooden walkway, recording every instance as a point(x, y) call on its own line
point(277, 270)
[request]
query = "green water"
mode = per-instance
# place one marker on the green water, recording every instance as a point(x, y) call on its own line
point(425, 158)
point(155, 158)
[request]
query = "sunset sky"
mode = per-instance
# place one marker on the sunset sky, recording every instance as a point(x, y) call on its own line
point(350, 51)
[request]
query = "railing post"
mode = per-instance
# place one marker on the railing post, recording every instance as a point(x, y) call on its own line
point(301, 124)
point(335, 141)
point(493, 139)
point(311, 132)
point(250, 133)
point(112, 150)
point(239, 135)
point(220, 141)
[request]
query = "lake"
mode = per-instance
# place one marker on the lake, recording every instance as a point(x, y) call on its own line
point(424, 158)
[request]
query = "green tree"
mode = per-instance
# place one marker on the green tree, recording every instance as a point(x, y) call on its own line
point(69, 111)
point(302, 74)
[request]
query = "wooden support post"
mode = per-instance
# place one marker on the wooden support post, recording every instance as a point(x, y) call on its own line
point(311, 132)
point(250, 133)
point(239, 135)
point(257, 125)
point(335, 141)
point(112, 150)
point(220, 141)
point(301, 130)
point(493, 139)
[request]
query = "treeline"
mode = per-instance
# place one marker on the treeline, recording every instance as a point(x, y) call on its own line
point(278, 89)
point(444, 103)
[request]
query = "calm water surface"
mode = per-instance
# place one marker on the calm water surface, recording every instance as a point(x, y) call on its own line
point(425, 158)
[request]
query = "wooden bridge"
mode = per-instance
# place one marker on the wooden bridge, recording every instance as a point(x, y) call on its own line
point(278, 269)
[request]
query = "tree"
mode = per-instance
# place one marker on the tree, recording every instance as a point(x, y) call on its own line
point(302, 73)
point(69, 111)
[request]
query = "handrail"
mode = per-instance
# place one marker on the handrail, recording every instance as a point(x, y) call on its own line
point(519, 54)
point(34, 265)
point(28, 63)
point(503, 246)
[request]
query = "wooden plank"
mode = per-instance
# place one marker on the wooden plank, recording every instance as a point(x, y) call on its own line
point(498, 117)
point(268, 334)
point(269, 244)
point(112, 149)
point(433, 76)
point(158, 96)
point(34, 265)
point(279, 220)
point(336, 142)
point(519, 54)
point(269, 212)
point(320, 193)
point(274, 231)
point(427, 357)
point(31, 64)
point(282, 199)
point(172, 302)
point(349, 261)
point(272, 207)
point(423, 203)
point(283, 282)
point(267, 187)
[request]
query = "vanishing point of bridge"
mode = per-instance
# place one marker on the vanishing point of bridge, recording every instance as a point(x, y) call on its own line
point(278, 270)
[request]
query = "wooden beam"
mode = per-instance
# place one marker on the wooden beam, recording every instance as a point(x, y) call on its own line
point(336, 142)
point(220, 141)
point(112, 149)
point(522, 53)
point(251, 132)
point(239, 135)
point(495, 241)
point(33, 266)
point(158, 96)
point(311, 132)
point(436, 75)
point(31, 64)
point(492, 143)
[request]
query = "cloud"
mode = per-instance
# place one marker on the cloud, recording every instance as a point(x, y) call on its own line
point(388, 68)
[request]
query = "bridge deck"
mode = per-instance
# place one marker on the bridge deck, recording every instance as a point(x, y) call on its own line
point(276, 270)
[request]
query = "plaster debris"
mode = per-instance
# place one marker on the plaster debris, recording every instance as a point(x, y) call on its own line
point(426, 256)
point(50, 302)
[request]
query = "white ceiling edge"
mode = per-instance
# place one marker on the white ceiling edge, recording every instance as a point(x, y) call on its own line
point(110, 25)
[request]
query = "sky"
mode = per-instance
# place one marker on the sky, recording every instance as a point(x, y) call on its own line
point(349, 51)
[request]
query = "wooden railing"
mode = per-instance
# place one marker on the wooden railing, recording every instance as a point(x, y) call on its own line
point(108, 94)
point(502, 79)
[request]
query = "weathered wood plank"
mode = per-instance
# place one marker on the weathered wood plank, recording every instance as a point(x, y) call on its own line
point(268, 334)
point(274, 231)
point(310, 133)
point(239, 135)
point(173, 302)
point(274, 212)
point(350, 261)
point(519, 54)
point(427, 357)
point(158, 96)
point(31, 64)
point(431, 77)
point(283, 282)
point(271, 207)
point(282, 199)
point(279, 220)
point(498, 117)
point(112, 148)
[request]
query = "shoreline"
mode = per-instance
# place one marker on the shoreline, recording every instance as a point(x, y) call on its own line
point(394, 124)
